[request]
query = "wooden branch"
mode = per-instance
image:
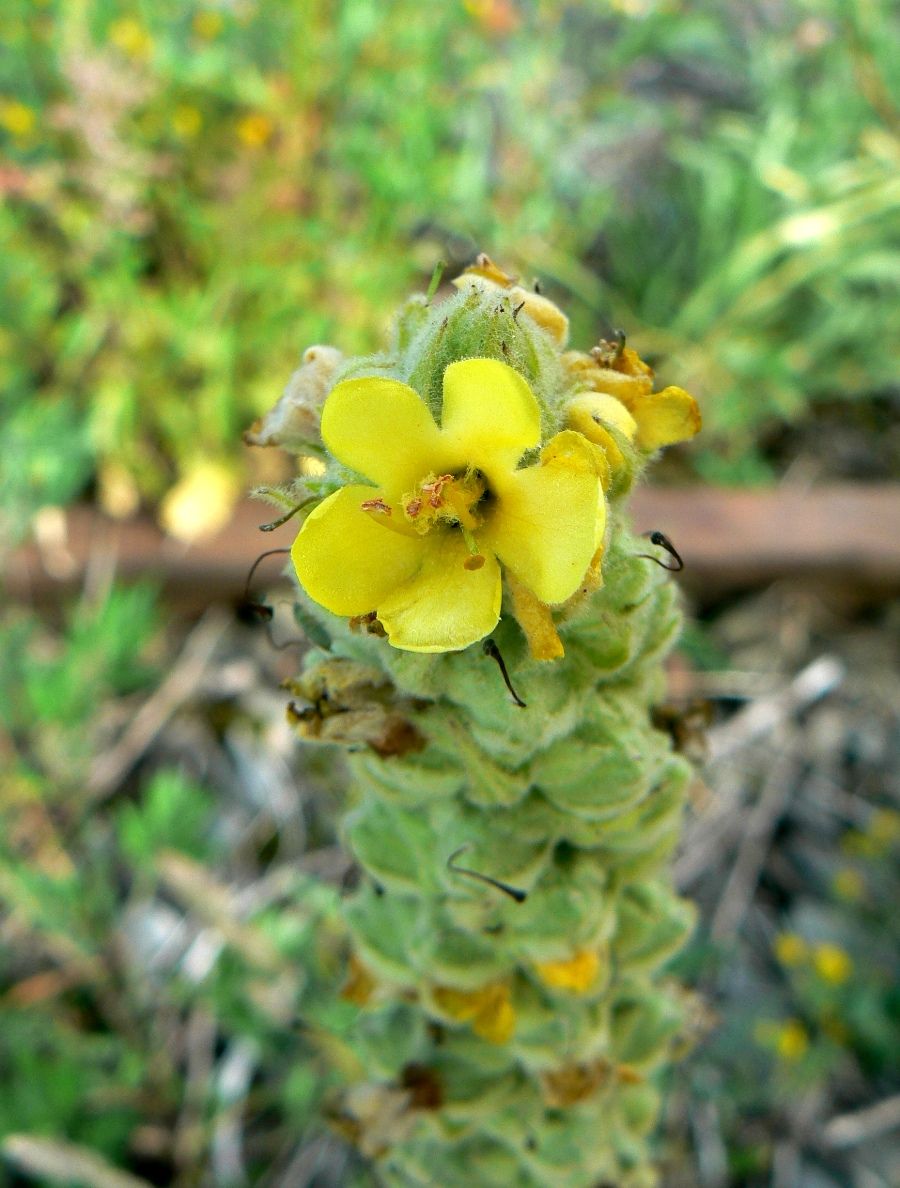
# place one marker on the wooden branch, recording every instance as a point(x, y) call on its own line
point(729, 539)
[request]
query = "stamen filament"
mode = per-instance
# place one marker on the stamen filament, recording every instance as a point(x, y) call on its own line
point(382, 513)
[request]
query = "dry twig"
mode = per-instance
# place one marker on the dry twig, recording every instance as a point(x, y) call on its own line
point(65, 1163)
point(110, 768)
point(848, 1130)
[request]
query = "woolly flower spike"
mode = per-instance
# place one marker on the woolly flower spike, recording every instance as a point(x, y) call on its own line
point(488, 277)
point(420, 543)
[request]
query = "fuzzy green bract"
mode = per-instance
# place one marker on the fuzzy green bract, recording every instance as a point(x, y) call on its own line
point(508, 1039)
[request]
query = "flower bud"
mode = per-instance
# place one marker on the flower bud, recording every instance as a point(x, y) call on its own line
point(294, 422)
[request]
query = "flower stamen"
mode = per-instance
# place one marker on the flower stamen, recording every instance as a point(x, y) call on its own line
point(446, 499)
point(379, 511)
point(377, 505)
point(435, 490)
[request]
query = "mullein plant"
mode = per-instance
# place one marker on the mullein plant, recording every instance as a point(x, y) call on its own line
point(489, 635)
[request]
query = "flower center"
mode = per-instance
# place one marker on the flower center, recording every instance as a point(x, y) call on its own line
point(438, 500)
point(445, 499)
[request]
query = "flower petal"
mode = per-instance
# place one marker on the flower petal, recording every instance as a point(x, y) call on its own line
point(536, 621)
point(596, 414)
point(549, 519)
point(488, 1009)
point(601, 408)
point(383, 430)
point(444, 606)
point(346, 561)
point(576, 973)
point(666, 417)
point(490, 416)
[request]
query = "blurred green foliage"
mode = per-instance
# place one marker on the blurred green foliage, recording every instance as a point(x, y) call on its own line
point(195, 192)
point(109, 994)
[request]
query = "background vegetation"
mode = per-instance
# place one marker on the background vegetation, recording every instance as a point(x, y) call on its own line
point(195, 192)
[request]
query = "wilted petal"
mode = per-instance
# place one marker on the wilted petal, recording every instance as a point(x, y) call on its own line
point(665, 418)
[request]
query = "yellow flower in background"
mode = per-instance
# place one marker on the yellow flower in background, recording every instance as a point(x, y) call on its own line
point(360, 984)
point(832, 963)
point(884, 827)
point(422, 541)
point(791, 1041)
point(495, 16)
point(791, 949)
point(207, 24)
point(200, 503)
point(17, 118)
point(131, 38)
point(186, 121)
point(255, 130)
point(849, 884)
point(576, 974)
point(600, 417)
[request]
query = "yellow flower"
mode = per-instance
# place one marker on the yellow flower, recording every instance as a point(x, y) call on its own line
point(849, 884)
point(360, 984)
point(599, 417)
point(130, 37)
point(488, 1009)
point(655, 419)
point(255, 130)
point(421, 542)
point(576, 974)
point(16, 118)
point(790, 949)
point(884, 827)
point(791, 1040)
point(200, 503)
point(186, 121)
point(832, 964)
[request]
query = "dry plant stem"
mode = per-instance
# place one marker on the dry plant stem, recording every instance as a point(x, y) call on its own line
point(113, 765)
point(55, 1162)
point(848, 1130)
point(723, 824)
point(753, 849)
point(233, 1079)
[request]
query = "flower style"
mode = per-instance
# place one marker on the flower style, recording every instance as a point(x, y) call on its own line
point(421, 542)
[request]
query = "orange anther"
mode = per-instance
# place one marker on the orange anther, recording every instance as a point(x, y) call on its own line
point(376, 505)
